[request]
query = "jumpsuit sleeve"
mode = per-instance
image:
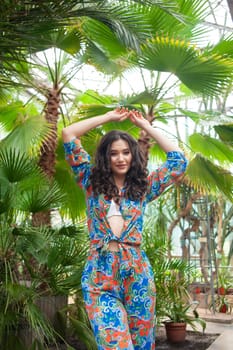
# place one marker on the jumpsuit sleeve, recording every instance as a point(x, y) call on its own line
point(158, 180)
point(79, 160)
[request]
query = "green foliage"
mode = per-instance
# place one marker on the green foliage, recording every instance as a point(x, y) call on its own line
point(211, 148)
point(45, 262)
point(225, 133)
point(34, 261)
point(172, 276)
point(211, 179)
point(200, 71)
point(23, 186)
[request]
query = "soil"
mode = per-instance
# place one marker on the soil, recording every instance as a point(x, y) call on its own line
point(194, 341)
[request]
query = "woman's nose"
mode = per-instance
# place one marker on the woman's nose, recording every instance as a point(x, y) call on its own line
point(120, 156)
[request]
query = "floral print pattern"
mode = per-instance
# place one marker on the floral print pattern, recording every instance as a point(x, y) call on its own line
point(118, 287)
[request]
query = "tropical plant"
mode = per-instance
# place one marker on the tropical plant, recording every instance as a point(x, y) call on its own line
point(34, 261)
point(224, 278)
point(60, 24)
point(104, 34)
point(219, 304)
point(99, 41)
point(79, 326)
point(180, 306)
point(172, 277)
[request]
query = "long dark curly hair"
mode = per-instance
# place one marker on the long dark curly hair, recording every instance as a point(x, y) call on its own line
point(102, 178)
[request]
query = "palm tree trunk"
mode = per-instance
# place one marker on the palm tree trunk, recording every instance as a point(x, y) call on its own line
point(144, 139)
point(184, 212)
point(48, 150)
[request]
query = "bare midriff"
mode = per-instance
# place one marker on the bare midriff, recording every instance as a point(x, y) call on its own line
point(116, 223)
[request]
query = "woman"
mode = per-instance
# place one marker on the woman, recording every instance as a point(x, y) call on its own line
point(117, 282)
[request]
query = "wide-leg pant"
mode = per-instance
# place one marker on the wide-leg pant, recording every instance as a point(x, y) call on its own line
point(120, 300)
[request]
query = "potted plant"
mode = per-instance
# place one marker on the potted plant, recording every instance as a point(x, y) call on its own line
point(219, 304)
point(223, 281)
point(179, 315)
point(180, 308)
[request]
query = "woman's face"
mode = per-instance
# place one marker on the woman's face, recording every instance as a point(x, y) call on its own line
point(120, 158)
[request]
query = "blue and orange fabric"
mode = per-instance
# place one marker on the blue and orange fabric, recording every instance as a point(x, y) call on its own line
point(118, 287)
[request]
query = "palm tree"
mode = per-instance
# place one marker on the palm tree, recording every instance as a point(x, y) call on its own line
point(204, 70)
point(71, 32)
point(207, 172)
point(28, 27)
point(162, 53)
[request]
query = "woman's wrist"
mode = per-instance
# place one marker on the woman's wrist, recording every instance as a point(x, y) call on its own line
point(107, 117)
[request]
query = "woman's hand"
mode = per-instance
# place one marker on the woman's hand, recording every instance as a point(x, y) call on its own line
point(118, 114)
point(137, 118)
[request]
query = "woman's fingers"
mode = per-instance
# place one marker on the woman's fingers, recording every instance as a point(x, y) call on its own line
point(123, 113)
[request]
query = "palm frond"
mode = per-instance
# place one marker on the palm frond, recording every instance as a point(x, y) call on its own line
point(124, 19)
point(29, 135)
point(5, 195)
point(185, 25)
point(39, 196)
point(225, 132)
point(10, 113)
point(16, 166)
point(32, 242)
point(148, 97)
point(38, 322)
point(211, 148)
point(84, 333)
point(93, 97)
point(195, 116)
point(100, 60)
point(21, 31)
point(200, 71)
point(103, 38)
point(206, 177)
point(224, 47)
point(66, 39)
point(73, 204)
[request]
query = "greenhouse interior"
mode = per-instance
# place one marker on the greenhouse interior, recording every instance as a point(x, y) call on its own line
point(168, 63)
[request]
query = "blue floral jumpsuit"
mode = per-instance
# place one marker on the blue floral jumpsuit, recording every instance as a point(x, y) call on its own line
point(118, 287)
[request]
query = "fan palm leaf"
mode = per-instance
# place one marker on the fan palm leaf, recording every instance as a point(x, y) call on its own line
point(206, 177)
point(186, 25)
point(21, 31)
point(31, 191)
point(29, 135)
point(9, 114)
point(211, 148)
point(73, 206)
point(225, 133)
point(203, 72)
point(224, 47)
point(15, 166)
point(106, 51)
point(41, 196)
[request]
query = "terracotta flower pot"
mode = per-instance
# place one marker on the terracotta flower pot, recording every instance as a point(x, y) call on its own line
point(221, 291)
point(176, 332)
point(223, 308)
point(197, 290)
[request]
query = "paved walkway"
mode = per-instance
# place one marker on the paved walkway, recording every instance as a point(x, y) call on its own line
point(219, 323)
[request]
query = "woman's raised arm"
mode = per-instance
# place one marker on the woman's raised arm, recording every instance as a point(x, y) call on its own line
point(80, 128)
point(166, 144)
